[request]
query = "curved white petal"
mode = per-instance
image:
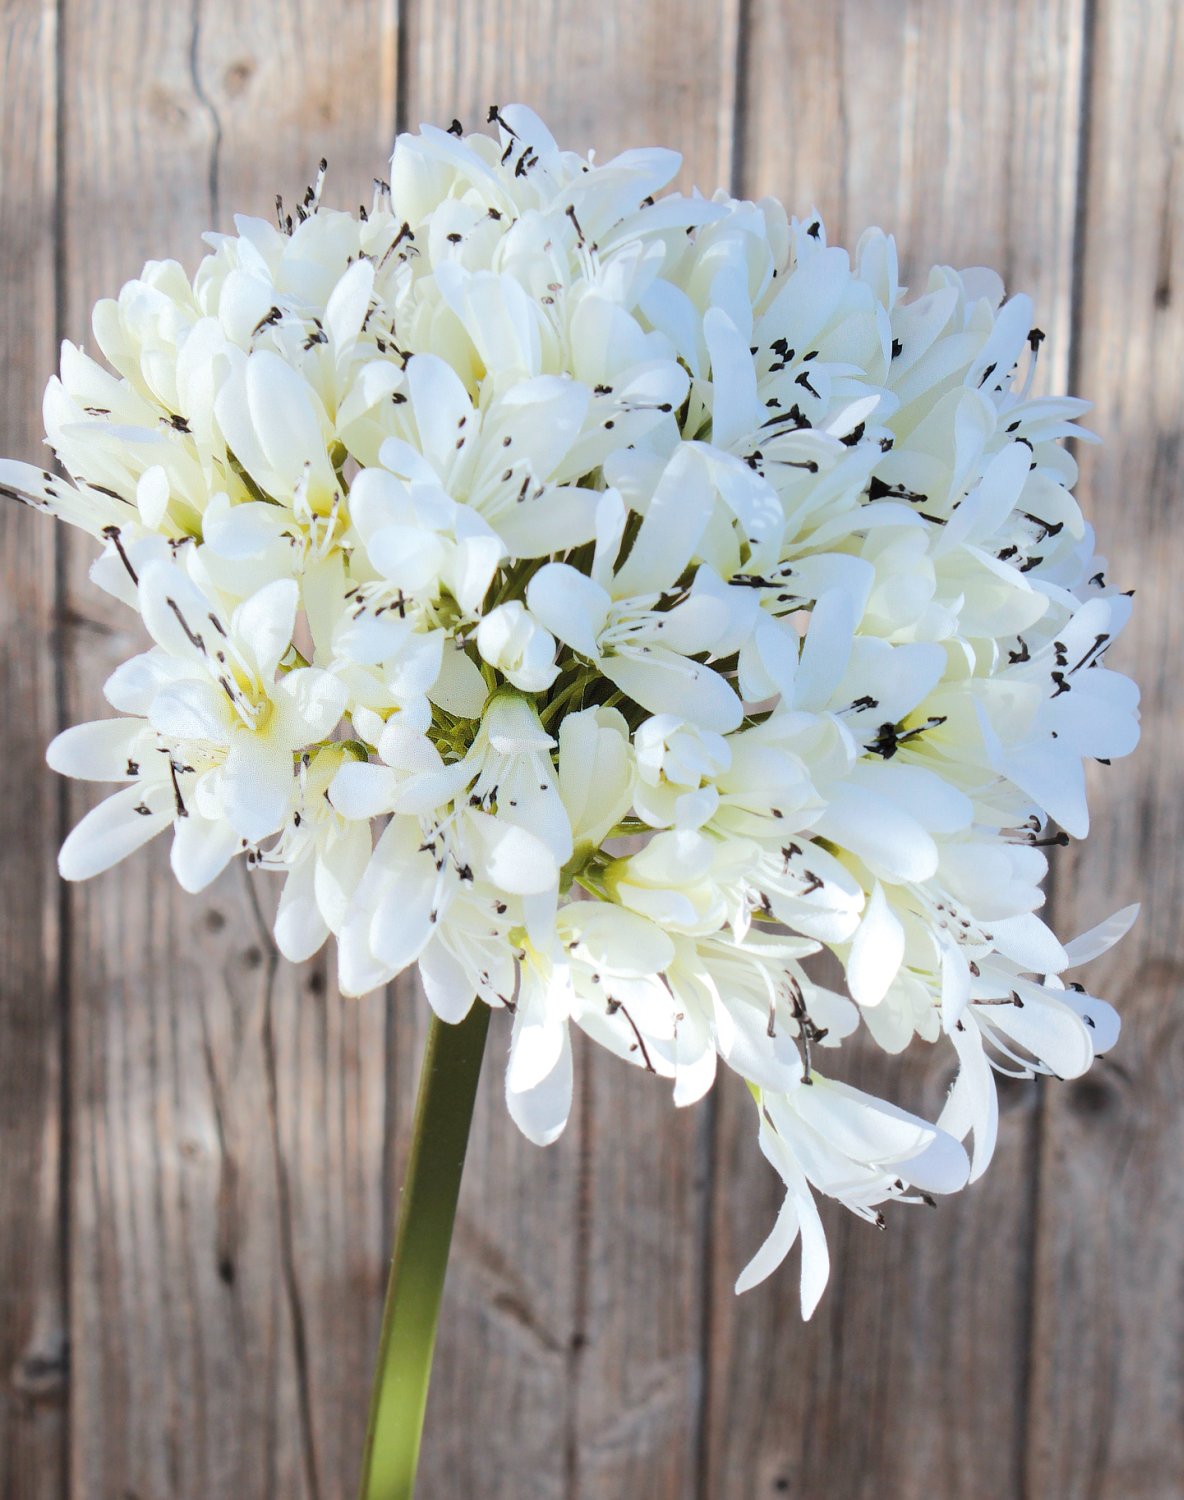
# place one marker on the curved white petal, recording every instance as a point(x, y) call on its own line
point(541, 1110)
point(1102, 938)
point(134, 684)
point(778, 1244)
point(264, 624)
point(877, 950)
point(513, 858)
point(448, 988)
point(256, 785)
point(403, 920)
point(557, 521)
point(573, 607)
point(106, 750)
point(973, 1104)
point(300, 929)
point(193, 709)
point(459, 687)
point(115, 829)
point(348, 303)
point(363, 790)
point(890, 842)
point(315, 699)
point(202, 848)
point(665, 683)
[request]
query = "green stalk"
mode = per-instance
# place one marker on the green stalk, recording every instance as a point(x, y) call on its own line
point(579, 685)
point(443, 1114)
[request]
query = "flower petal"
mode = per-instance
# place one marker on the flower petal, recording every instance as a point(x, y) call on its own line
point(106, 750)
point(115, 829)
point(877, 951)
point(256, 785)
point(264, 624)
point(573, 607)
point(202, 848)
point(541, 1110)
point(448, 988)
point(300, 929)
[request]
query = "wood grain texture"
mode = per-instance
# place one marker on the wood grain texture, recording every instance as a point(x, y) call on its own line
point(1107, 1400)
point(580, 1268)
point(955, 125)
point(33, 1328)
point(604, 76)
point(227, 1254)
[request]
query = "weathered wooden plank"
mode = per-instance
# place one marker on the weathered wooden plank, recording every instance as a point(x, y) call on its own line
point(287, 89)
point(569, 1360)
point(1107, 1399)
point(609, 76)
point(226, 1260)
point(955, 126)
point(33, 1326)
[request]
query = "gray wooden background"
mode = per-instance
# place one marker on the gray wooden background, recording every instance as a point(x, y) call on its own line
point(200, 1151)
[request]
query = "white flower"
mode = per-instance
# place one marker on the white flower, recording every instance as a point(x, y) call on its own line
point(323, 855)
point(120, 750)
point(596, 774)
point(640, 629)
point(681, 880)
point(516, 645)
point(593, 967)
point(834, 1139)
point(604, 601)
point(677, 766)
point(217, 682)
point(415, 903)
point(511, 464)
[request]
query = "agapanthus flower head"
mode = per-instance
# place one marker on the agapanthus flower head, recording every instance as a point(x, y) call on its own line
point(605, 599)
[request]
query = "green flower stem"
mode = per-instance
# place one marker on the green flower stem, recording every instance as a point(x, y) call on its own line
point(566, 695)
point(443, 1114)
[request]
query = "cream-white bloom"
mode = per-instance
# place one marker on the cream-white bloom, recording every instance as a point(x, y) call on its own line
point(604, 600)
point(677, 768)
point(512, 641)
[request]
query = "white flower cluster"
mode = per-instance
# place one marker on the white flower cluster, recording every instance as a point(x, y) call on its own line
point(605, 601)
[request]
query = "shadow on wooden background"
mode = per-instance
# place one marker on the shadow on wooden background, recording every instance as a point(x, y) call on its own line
point(200, 1152)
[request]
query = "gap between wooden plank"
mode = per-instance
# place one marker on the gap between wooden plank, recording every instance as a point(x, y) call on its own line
point(1057, 872)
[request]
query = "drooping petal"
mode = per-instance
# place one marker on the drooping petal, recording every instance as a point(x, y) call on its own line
point(403, 920)
point(115, 829)
point(202, 848)
point(300, 929)
point(972, 1105)
point(445, 983)
point(539, 1079)
point(776, 1247)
